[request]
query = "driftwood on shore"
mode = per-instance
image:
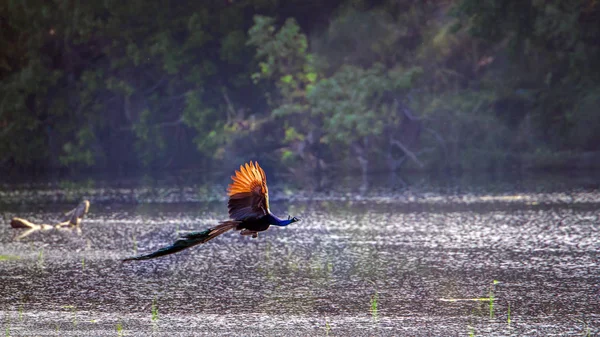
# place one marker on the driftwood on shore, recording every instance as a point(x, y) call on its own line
point(70, 220)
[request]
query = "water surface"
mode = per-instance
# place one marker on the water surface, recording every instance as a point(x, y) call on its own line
point(382, 256)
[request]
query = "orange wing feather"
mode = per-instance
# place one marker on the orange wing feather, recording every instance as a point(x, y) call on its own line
point(250, 176)
point(250, 181)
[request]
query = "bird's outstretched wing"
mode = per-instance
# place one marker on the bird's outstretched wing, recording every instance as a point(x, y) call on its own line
point(248, 193)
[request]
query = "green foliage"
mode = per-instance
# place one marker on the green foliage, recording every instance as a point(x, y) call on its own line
point(210, 135)
point(546, 49)
point(79, 151)
point(150, 143)
point(585, 121)
point(154, 310)
point(9, 257)
point(343, 102)
point(105, 83)
point(464, 83)
point(284, 58)
point(344, 109)
point(232, 47)
point(120, 331)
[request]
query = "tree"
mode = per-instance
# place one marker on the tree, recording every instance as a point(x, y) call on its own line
point(326, 119)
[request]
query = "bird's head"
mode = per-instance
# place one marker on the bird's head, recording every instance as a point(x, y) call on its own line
point(292, 219)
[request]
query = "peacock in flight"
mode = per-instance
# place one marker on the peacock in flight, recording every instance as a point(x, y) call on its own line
point(248, 208)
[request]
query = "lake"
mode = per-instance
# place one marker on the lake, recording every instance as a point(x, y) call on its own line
point(491, 255)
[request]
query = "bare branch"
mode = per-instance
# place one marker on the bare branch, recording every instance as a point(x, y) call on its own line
point(157, 125)
point(154, 87)
point(439, 138)
point(406, 111)
point(166, 124)
point(408, 152)
point(230, 107)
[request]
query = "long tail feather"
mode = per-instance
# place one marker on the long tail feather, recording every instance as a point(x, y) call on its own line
point(188, 240)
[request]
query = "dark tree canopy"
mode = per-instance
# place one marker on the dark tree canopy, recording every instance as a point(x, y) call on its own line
point(113, 85)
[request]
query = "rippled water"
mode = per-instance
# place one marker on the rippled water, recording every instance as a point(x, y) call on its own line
point(506, 256)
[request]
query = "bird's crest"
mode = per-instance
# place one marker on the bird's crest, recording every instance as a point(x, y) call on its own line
point(248, 193)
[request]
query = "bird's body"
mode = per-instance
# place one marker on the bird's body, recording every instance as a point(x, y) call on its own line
point(248, 208)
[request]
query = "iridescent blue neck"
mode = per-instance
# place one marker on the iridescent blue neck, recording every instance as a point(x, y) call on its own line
point(275, 221)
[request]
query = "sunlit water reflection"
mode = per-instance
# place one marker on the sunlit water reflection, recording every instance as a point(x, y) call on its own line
point(501, 258)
